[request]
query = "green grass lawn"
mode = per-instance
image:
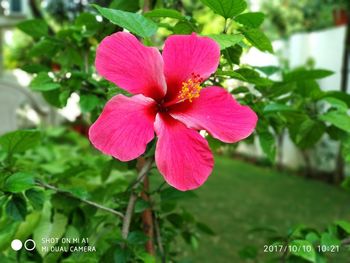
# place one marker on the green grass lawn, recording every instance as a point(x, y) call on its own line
point(239, 196)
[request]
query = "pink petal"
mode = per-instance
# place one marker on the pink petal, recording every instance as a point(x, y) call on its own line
point(186, 54)
point(183, 156)
point(217, 112)
point(123, 60)
point(124, 127)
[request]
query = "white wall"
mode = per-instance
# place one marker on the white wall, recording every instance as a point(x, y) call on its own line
point(10, 100)
point(326, 47)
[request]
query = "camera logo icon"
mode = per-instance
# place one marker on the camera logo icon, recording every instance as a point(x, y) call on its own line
point(29, 244)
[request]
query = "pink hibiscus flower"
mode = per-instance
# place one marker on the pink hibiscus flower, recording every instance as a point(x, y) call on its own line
point(169, 101)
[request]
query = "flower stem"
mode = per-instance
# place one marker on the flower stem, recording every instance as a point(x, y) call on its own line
point(133, 197)
point(147, 219)
point(159, 238)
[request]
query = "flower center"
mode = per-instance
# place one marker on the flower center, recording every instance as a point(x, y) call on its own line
point(191, 88)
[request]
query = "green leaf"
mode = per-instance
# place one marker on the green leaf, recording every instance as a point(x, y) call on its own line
point(233, 54)
point(170, 194)
point(51, 46)
point(137, 238)
point(121, 255)
point(339, 95)
point(329, 240)
point(308, 89)
point(194, 242)
point(16, 208)
point(146, 258)
point(336, 103)
point(42, 82)
point(268, 144)
point(3, 200)
point(304, 249)
point(226, 41)
point(345, 225)
point(88, 24)
point(251, 76)
point(125, 5)
point(226, 8)
point(53, 97)
point(34, 68)
point(19, 141)
point(7, 231)
point(48, 228)
point(277, 89)
point(268, 70)
point(337, 134)
point(231, 74)
point(72, 232)
point(88, 102)
point(183, 28)
point(339, 119)
point(251, 19)
point(299, 230)
point(26, 227)
point(19, 182)
point(205, 229)
point(141, 205)
point(106, 170)
point(307, 133)
point(240, 90)
point(35, 28)
point(303, 74)
point(64, 203)
point(69, 57)
point(312, 237)
point(276, 107)
point(175, 219)
point(133, 22)
point(258, 39)
point(164, 12)
point(36, 198)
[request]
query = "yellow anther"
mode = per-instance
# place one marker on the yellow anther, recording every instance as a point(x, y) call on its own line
point(191, 88)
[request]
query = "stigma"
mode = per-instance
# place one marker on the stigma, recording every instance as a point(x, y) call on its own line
point(191, 88)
